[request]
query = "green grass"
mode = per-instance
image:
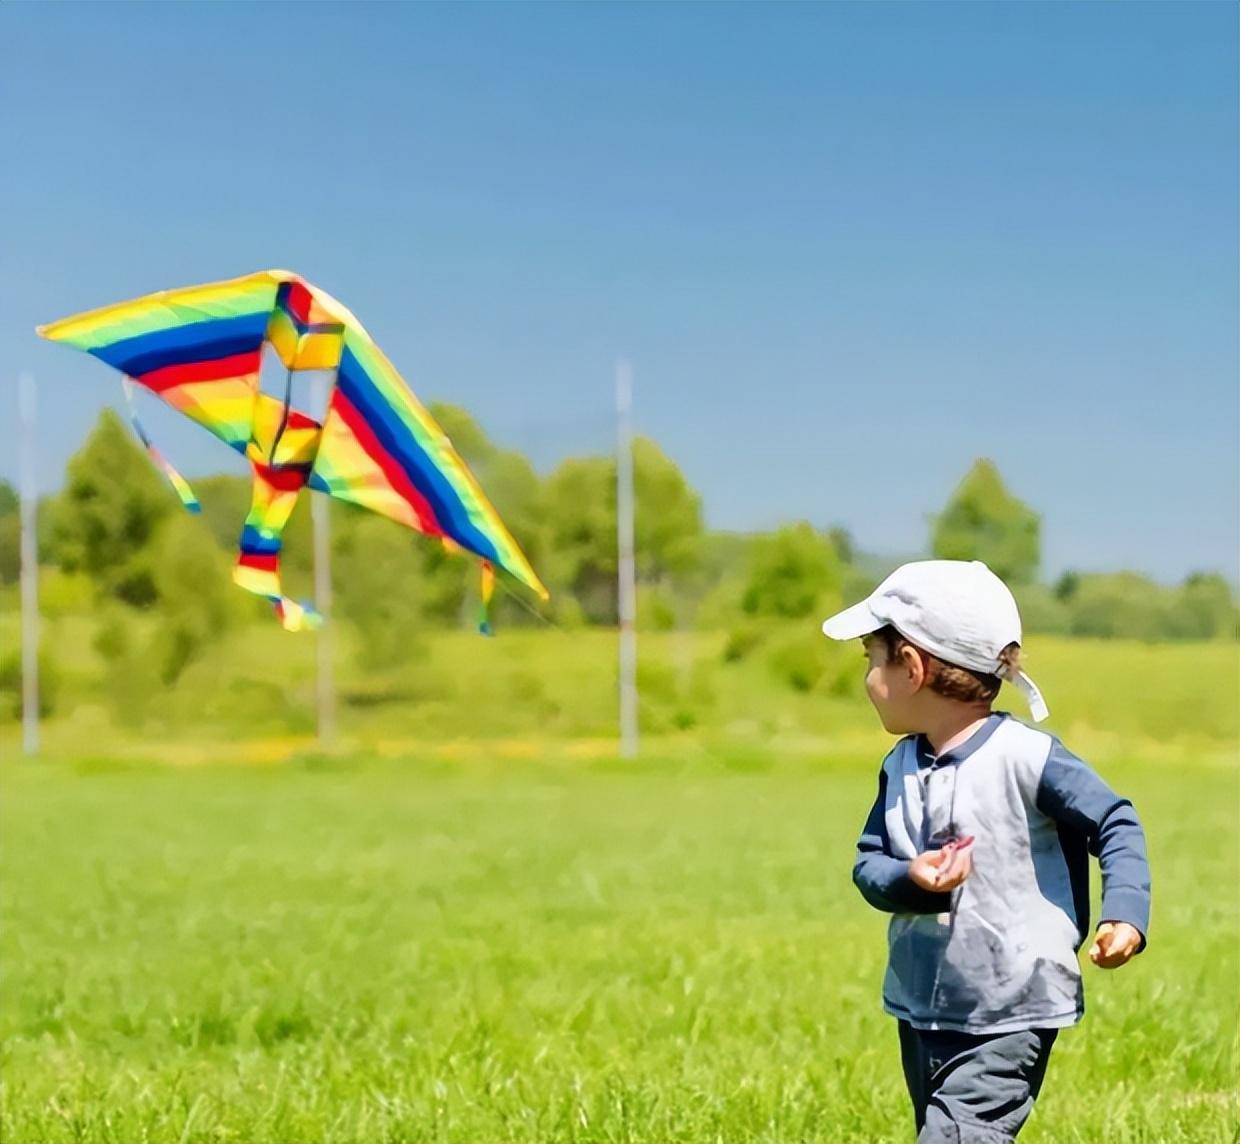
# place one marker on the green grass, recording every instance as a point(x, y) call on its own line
point(333, 950)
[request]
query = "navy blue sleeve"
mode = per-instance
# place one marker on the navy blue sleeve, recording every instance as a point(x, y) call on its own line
point(1074, 796)
point(883, 879)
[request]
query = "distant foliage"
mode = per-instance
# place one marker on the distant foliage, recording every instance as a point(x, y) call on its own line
point(798, 662)
point(10, 534)
point(983, 521)
point(793, 573)
point(11, 684)
point(116, 535)
point(1129, 605)
point(109, 512)
point(581, 518)
point(379, 591)
point(197, 600)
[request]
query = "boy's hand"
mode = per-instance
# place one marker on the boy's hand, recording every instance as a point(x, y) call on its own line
point(1115, 944)
point(942, 870)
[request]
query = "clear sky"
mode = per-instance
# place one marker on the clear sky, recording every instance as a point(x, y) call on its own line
point(848, 248)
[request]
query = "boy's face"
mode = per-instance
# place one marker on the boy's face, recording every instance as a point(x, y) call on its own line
point(893, 686)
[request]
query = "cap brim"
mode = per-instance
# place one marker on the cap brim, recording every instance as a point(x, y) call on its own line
point(852, 623)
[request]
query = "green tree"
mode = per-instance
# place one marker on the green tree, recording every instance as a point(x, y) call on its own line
point(984, 521)
point(1119, 605)
point(10, 534)
point(581, 522)
point(792, 573)
point(225, 500)
point(197, 601)
point(378, 589)
point(1205, 608)
point(112, 504)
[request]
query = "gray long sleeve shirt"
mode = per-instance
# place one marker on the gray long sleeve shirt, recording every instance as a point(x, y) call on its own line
point(999, 953)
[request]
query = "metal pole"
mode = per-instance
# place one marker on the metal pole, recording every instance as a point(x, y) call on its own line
point(30, 568)
point(320, 517)
point(626, 568)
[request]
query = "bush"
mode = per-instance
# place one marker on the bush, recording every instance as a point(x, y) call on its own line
point(742, 642)
point(197, 602)
point(799, 661)
point(64, 593)
point(792, 573)
point(11, 684)
point(656, 609)
point(1119, 605)
point(379, 590)
point(1041, 610)
point(1204, 609)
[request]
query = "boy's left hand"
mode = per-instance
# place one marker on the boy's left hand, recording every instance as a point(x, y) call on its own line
point(1115, 944)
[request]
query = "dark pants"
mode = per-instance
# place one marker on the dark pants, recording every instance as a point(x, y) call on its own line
point(970, 1089)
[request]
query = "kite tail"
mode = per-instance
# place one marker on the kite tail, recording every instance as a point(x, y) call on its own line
point(178, 482)
point(258, 562)
point(488, 590)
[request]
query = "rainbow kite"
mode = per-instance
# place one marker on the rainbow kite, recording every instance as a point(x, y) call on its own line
point(200, 349)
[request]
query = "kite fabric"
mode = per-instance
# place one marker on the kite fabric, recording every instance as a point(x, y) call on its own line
point(200, 350)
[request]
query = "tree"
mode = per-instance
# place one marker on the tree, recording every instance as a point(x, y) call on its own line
point(10, 534)
point(792, 573)
point(1205, 608)
point(844, 543)
point(378, 589)
point(983, 521)
point(581, 522)
point(1119, 605)
point(109, 511)
point(225, 500)
point(197, 601)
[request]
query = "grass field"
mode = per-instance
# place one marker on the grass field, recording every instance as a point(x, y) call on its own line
point(545, 688)
point(482, 952)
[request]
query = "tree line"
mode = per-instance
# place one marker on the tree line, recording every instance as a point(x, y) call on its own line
point(114, 541)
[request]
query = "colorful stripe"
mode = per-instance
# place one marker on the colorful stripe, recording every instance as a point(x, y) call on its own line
point(200, 350)
point(412, 451)
point(488, 591)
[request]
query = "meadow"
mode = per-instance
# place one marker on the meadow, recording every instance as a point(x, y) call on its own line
point(336, 948)
point(468, 921)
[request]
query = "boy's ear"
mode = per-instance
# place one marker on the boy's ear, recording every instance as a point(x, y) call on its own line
point(914, 666)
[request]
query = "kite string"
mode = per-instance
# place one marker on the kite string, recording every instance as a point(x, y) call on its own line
point(178, 482)
point(529, 607)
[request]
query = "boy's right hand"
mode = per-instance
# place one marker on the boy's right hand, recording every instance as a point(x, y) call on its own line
point(942, 870)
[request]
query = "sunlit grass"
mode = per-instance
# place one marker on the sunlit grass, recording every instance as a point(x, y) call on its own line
point(478, 950)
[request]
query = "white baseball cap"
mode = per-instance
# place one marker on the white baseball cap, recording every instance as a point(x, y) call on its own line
point(957, 610)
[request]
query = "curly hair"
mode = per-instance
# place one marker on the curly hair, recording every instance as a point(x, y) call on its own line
point(947, 679)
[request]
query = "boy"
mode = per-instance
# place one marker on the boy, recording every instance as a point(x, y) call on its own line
point(978, 844)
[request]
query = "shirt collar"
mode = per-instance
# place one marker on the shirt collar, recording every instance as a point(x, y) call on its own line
point(958, 754)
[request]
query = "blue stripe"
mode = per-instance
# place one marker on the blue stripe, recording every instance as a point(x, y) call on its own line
point(398, 439)
point(254, 543)
point(196, 341)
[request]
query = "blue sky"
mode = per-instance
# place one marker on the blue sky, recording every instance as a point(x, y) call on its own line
point(848, 248)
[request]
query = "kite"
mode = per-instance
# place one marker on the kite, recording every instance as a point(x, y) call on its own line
point(200, 350)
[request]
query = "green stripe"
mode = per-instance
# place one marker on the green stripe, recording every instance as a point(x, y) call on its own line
point(166, 313)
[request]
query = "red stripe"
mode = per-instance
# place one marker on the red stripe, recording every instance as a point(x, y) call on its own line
point(286, 478)
point(396, 475)
point(214, 369)
point(298, 302)
point(259, 561)
point(298, 420)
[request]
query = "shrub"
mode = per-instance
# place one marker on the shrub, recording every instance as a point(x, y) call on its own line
point(11, 684)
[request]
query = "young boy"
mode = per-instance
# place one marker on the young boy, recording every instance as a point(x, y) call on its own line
point(978, 846)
